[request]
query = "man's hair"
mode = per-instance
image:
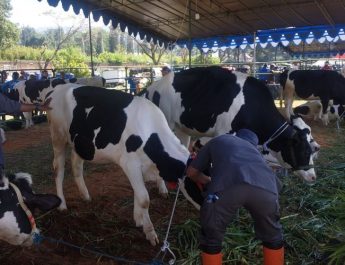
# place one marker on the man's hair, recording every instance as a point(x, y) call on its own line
point(15, 75)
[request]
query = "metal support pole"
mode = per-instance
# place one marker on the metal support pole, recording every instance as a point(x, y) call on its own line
point(91, 49)
point(254, 56)
point(190, 32)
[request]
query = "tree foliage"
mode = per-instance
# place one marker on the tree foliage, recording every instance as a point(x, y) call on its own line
point(9, 33)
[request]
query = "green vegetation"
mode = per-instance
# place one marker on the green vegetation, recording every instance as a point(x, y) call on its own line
point(313, 219)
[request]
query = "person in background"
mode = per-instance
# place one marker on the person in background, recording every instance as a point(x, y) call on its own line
point(4, 76)
point(239, 177)
point(264, 73)
point(12, 107)
point(327, 66)
point(32, 77)
point(44, 75)
point(165, 70)
point(132, 85)
point(62, 75)
point(23, 75)
point(8, 86)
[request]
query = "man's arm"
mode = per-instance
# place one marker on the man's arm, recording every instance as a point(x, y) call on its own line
point(197, 176)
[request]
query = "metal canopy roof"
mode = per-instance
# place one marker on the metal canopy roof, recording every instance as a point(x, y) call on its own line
point(166, 21)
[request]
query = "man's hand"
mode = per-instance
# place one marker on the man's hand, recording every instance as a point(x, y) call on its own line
point(197, 176)
point(46, 106)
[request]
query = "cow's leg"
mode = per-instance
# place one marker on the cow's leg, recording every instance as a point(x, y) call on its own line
point(324, 118)
point(141, 199)
point(162, 187)
point(59, 148)
point(28, 119)
point(184, 138)
point(77, 168)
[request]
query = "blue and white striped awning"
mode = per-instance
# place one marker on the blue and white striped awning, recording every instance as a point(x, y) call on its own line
point(286, 36)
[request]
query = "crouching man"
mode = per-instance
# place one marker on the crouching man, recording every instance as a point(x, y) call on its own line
point(239, 177)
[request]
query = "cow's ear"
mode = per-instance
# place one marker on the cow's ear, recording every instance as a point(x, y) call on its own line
point(44, 202)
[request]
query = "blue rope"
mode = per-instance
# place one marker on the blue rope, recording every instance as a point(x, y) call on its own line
point(37, 239)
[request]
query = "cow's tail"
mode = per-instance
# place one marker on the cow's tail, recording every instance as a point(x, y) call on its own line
point(103, 81)
point(283, 78)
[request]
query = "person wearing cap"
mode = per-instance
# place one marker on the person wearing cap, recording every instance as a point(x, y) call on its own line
point(165, 70)
point(239, 177)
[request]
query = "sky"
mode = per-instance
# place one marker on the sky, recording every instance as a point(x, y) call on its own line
point(34, 14)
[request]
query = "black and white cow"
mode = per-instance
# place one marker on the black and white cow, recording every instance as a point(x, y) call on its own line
point(311, 84)
point(17, 226)
point(21, 95)
point(111, 126)
point(212, 101)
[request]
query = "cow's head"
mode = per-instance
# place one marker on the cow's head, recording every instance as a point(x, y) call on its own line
point(15, 226)
point(298, 123)
point(295, 152)
point(336, 112)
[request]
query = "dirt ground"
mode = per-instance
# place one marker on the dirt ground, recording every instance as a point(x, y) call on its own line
point(105, 224)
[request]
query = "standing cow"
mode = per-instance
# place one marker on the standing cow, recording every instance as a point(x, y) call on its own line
point(212, 101)
point(111, 126)
point(311, 84)
point(20, 94)
point(17, 225)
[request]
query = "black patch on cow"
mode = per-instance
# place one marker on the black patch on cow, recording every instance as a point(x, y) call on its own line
point(73, 80)
point(58, 81)
point(107, 114)
point(283, 77)
point(133, 143)
point(304, 110)
point(332, 110)
point(193, 191)
point(33, 87)
point(170, 169)
point(206, 92)
point(48, 94)
point(156, 98)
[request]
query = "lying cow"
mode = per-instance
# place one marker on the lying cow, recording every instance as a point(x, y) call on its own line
point(313, 109)
point(310, 84)
point(111, 126)
point(17, 227)
point(22, 95)
point(212, 101)
point(310, 110)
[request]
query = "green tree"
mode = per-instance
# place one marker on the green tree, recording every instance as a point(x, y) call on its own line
point(73, 60)
point(29, 37)
point(9, 33)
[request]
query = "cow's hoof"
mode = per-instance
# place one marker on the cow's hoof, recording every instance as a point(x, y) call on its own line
point(152, 237)
point(62, 207)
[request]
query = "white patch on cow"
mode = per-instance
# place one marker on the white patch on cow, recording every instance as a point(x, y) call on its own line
point(87, 110)
point(6, 183)
point(2, 135)
point(26, 176)
point(10, 232)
